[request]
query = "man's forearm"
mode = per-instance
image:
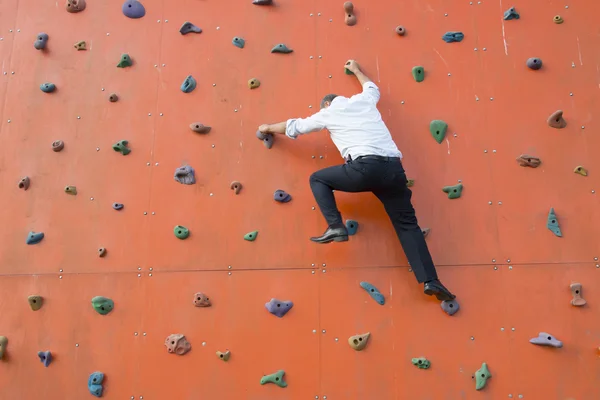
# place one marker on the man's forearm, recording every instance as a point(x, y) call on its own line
point(362, 78)
point(278, 127)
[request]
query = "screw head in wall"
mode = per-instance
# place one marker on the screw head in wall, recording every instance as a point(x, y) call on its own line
point(472, 338)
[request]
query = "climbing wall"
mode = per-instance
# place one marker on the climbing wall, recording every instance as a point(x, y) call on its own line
point(492, 245)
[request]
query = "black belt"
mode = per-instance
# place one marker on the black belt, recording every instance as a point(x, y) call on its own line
point(380, 158)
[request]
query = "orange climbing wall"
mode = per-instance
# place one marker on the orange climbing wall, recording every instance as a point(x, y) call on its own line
point(510, 273)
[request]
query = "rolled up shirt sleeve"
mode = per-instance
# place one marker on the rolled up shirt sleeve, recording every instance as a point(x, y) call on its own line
point(371, 91)
point(302, 126)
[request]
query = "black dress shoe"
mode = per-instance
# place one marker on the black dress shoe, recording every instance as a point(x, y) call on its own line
point(436, 288)
point(332, 234)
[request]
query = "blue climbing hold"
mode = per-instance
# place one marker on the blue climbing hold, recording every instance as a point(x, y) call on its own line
point(48, 87)
point(118, 206)
point(41, 41)
point(281, 196)
point(511, 13)
point(133, 9)
point(95, 383)
point(281, 48)
point(34, 238)
point(238, 42)
point(351, 226)
point(45, 357)
point(188, 84)
point(450, 37)
point(372, 290)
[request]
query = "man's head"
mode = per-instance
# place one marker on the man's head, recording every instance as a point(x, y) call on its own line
point(326, 102)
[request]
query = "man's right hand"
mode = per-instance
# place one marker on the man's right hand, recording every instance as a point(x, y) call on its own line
point(352, 66)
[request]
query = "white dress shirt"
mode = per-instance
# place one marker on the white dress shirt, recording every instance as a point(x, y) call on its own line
point(354, 124)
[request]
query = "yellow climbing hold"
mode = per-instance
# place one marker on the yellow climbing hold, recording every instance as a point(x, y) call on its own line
point(558, 19)
point(580, 170)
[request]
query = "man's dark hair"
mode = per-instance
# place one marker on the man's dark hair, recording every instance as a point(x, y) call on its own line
point(329, 98)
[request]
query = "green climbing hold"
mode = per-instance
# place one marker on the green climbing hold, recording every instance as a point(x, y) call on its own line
point(454, 192)
point(418, 73)
point(421, 362)
point(125, 61)
point(181, 232)
point(281, 48)
point(438, 129)
point(348, 72)
point(121, 147)
point(251, 236)
point(552, 223)
point(481, 376)
point(102, 305)
point(276, 378)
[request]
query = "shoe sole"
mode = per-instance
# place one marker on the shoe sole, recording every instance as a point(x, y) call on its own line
point(335, 239)
point(439, 296)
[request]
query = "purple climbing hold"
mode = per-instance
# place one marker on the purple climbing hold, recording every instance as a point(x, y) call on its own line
point(133, 9)
point(278, 308)
point(281, 196)
point(185, 175)
point(534, 63)
point(45, 357)
point(546, 339)
point(450, 307)
point(268, 141)
point(260, 135)
point(41, 40)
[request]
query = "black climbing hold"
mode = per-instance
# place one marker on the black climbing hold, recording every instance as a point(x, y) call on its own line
point(281, 196)
point(118, 206)
point(24, 183)
point(418, 73)
point(185, 175)
point(454, 192)
point(511, 13)
point(45, 357)
point(95, 384)
point(552, 223)
point(48, 87)
point(238, 42)
point(450, 307)
point(351, 226)
point(188, 27)
point(34, 237)
point(534, 63)
point(125, 61)
point(373, 292)
point(58, 145)
point(278, 308)
point(121, 147)
point(188, 84)
point(263, 2)
point(438, 129)
point(41, 41)
point(281, 48)
point(450, 37)
point(133, 9)
point(113, 98)
point(268, 141)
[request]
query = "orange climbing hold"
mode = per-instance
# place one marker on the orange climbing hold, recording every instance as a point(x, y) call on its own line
point(350, 18)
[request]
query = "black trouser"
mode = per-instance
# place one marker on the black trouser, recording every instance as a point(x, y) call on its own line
point(387, 181)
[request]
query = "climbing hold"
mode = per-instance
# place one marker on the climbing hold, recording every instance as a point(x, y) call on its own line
point(450, 307)
point(201, 300)
point(410, 182)
point(58, 145)
point(418, 73)
point(125, 61)
point(525, 160)
point(199, 128)
point(238, 42)
point(372, 290)
point(34, 238)
point(421, 362)
point(113, 98)
point(181, 232)
point(121, 147)
point(281, 48)
point(253, 83)
point(556, 120)
point(278, 308)
point(268, 141)
point(263, 2)
point(74, 6)
point(224, 356)
point(350, 18)
point(102, 305)
point(45, 357)
point(276, 378)
point(133, 9)
point(359, 342)
point(35, 302)
point(552, 223)
point(3, 344)
point(450, 37)
point(351, 226)
point(481, 376)
point(236, 187)
point(511, 13)
point(188, 27)
point(577, 300)
point(41, 41)
point(71, 190)
point(454, 192)
point(178, 344)
point(101, 252)
point(438, 129)
point(24, 183)
point(185, 175)
point(118, 206)
point(400, 30)
point(425, 232)
point(546, 339)
point(534, 63)
point(281, 196)
point(95, 383)
point(580, 170)
point(188, 84)
point(558, 19)
point(261, 136)
point(80, 45)
point(251, 236)
point(48, 87)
